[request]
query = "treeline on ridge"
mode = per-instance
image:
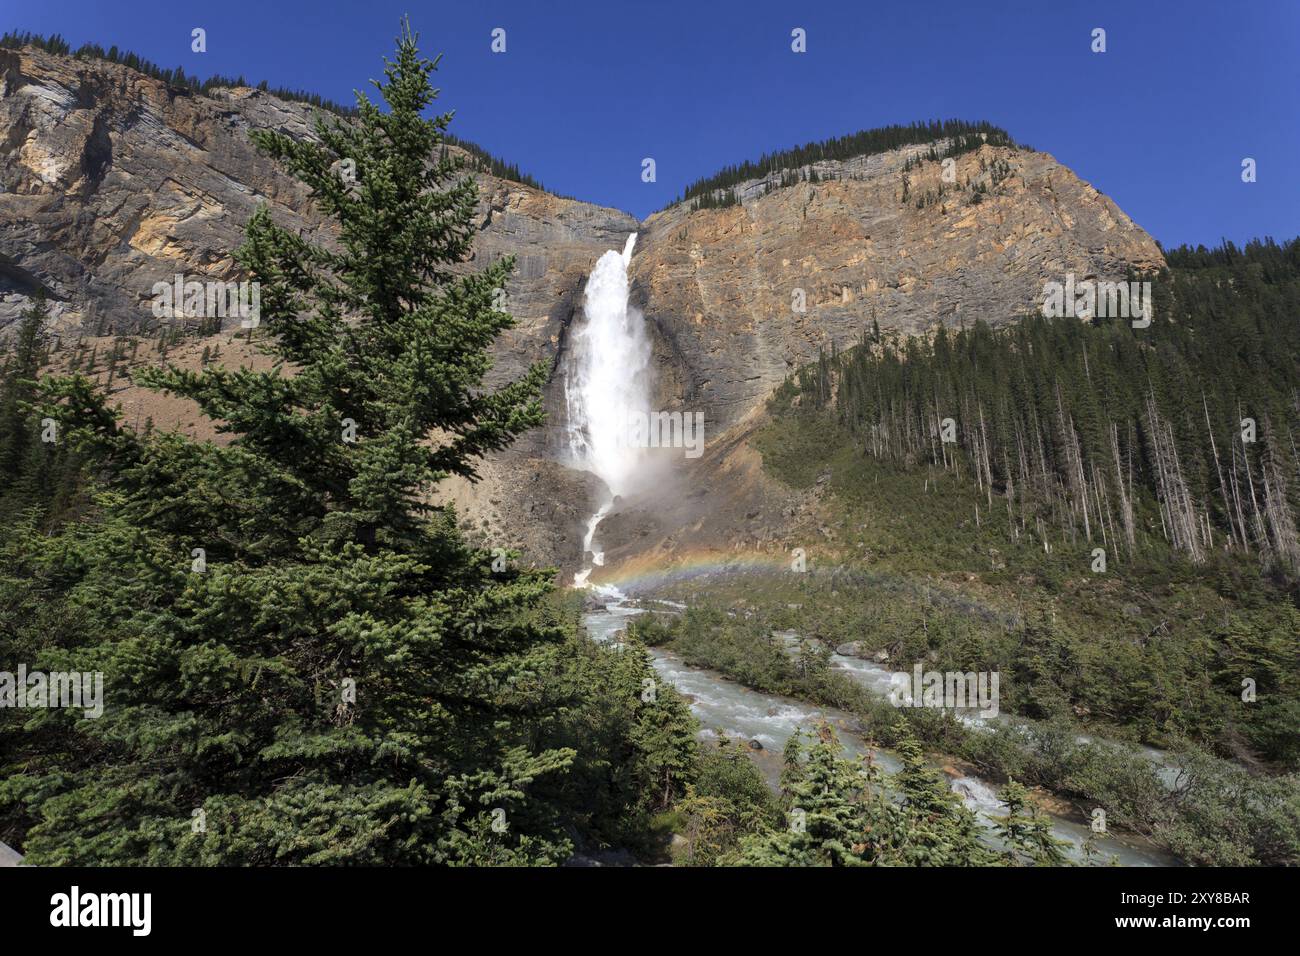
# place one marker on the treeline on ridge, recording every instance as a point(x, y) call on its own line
point(480, 159)
point(965, 136)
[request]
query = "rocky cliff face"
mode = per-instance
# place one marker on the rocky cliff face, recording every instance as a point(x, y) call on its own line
point(722, 285)
point(110, 181)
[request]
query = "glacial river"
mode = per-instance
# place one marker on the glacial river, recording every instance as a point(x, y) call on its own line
point(724, 707)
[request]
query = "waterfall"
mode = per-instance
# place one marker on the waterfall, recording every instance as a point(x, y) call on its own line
point(606, 384)
point(606, 380)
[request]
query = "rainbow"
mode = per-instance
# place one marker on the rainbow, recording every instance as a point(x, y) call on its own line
point(645, 574)
point(648, 573)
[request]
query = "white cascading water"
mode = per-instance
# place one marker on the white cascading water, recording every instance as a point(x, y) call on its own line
point(606, 385)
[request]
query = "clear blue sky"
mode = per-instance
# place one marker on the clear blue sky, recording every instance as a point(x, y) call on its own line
point(585, 90)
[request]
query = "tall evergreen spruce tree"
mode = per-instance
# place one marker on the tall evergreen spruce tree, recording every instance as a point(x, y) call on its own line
point(824, 793)
point(18, 373)
point(335, 677)
point(24, 459)
point(1026, 832)
point(847, 818)
point(941, 830)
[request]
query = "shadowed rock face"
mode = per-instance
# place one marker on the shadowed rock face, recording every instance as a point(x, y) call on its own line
point(113, 182)
point(110, 182)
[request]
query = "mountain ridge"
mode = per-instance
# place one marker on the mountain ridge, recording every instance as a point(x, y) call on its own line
point(114, 180)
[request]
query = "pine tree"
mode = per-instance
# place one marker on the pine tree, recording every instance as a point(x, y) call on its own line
point(36, 476)
point(940, 830)
point(826, 818)
point(298, 650)
point(18, 389)
point(1026, 832)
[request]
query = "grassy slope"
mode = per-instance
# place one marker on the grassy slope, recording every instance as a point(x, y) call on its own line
point(898, 562)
